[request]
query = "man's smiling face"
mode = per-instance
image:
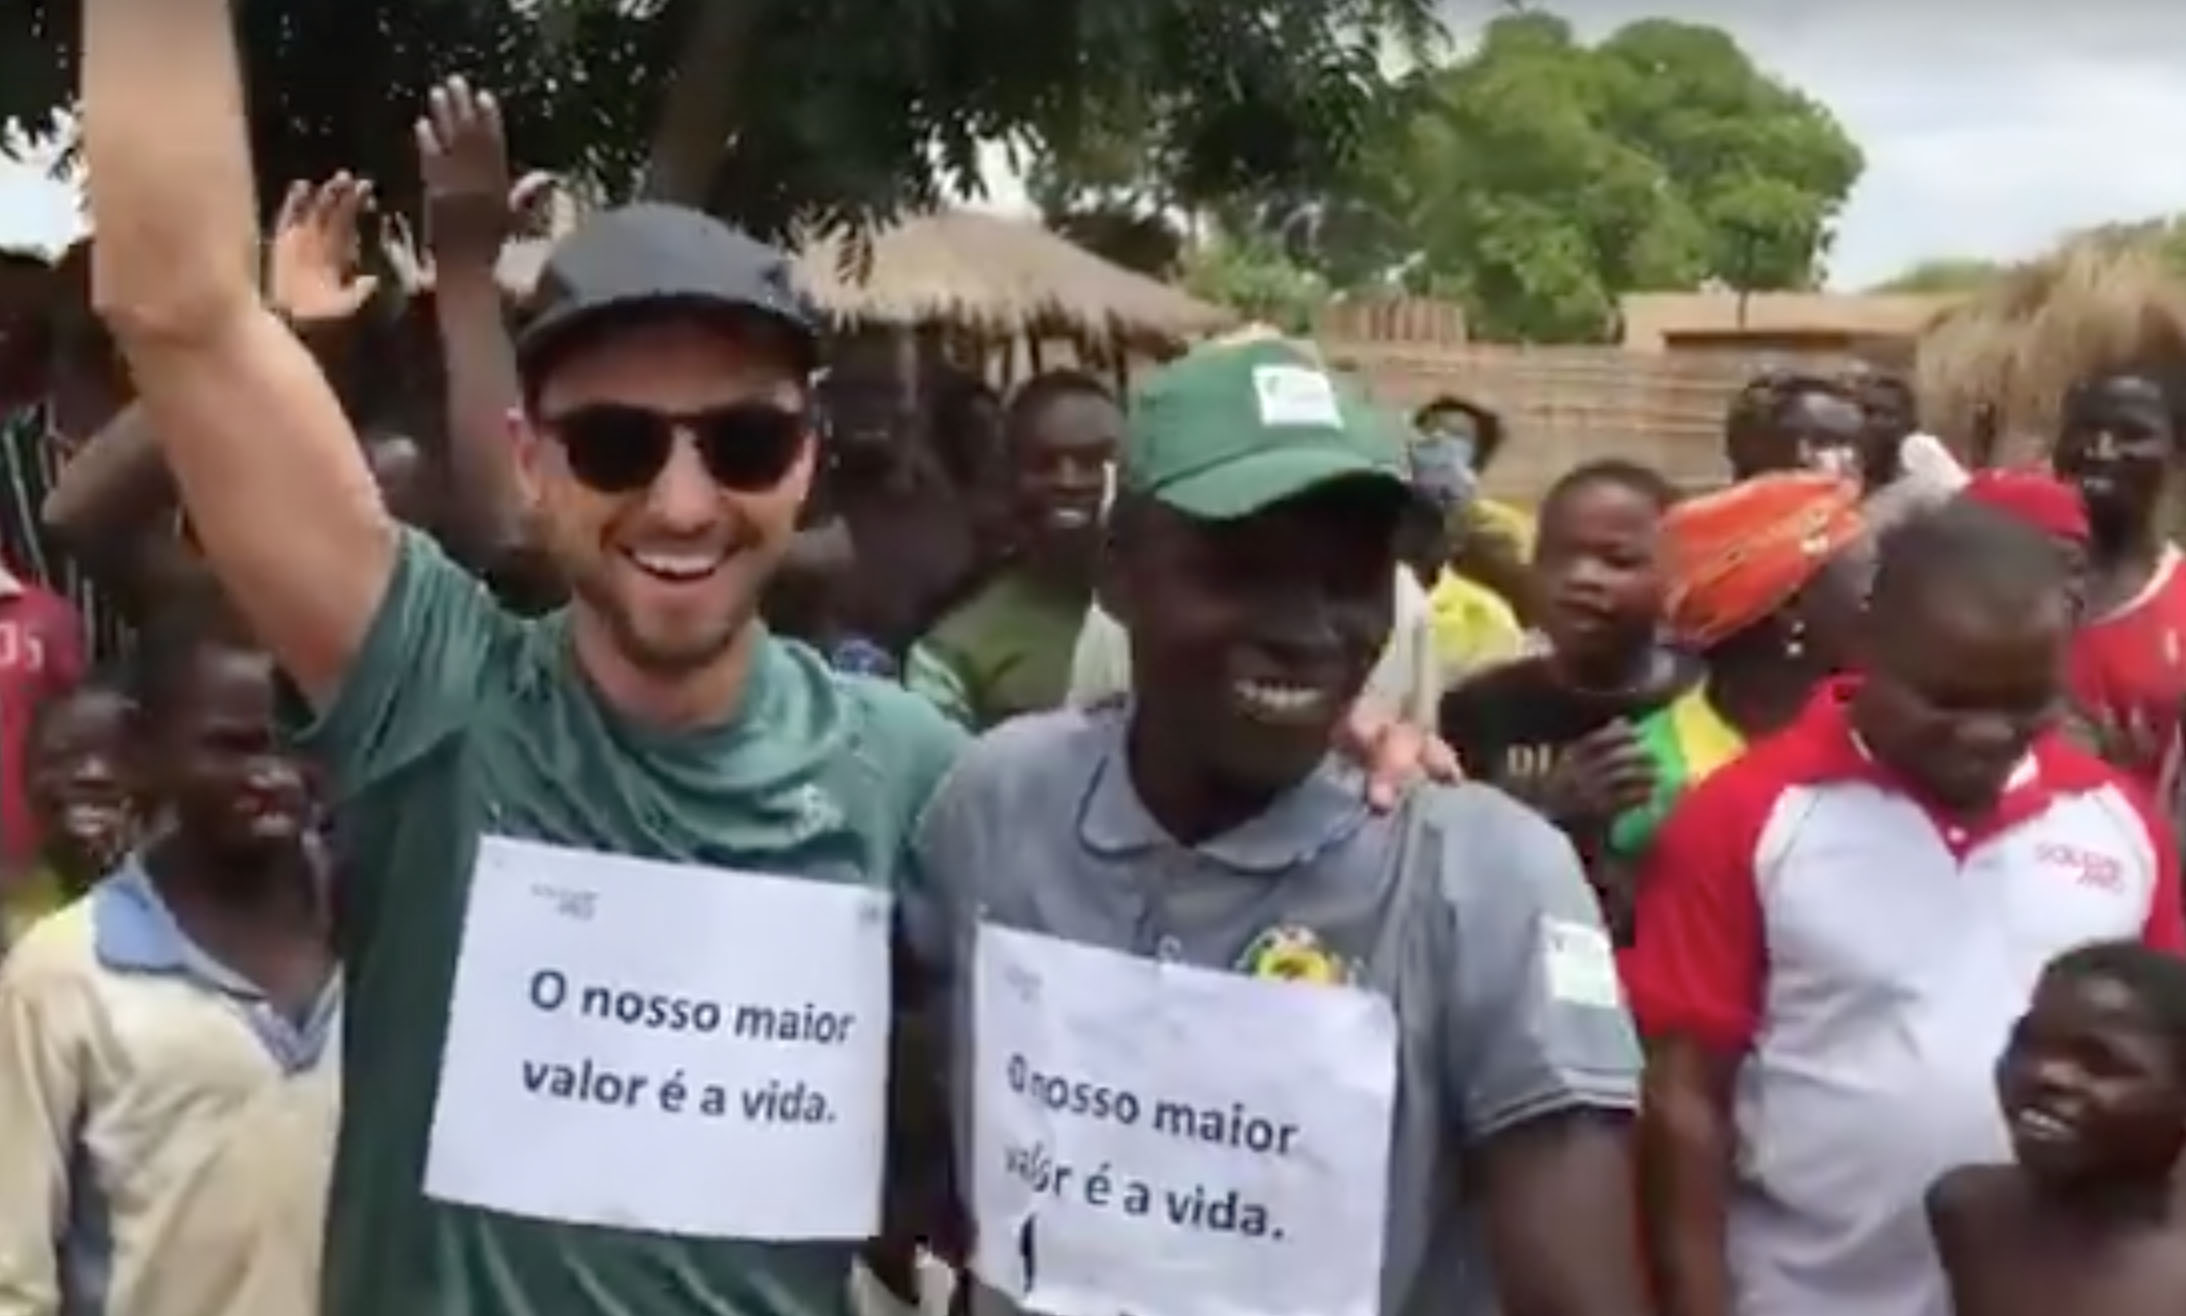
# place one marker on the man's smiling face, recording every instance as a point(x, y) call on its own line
point(675, 567)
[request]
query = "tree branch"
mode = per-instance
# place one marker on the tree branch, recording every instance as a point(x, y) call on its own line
point(700, 109)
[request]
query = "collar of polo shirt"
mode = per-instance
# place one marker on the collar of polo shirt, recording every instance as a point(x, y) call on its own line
point(1833, 751)
point(1304, 822)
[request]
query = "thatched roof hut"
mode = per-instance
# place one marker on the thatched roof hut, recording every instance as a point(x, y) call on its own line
point(1005, 278)
point(2095, 305)
point(990, 275)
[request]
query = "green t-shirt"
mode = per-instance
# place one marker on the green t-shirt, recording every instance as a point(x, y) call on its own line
point(1003, 653)
point(459, 719)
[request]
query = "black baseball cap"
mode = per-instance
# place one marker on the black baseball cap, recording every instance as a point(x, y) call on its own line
point(650, 257)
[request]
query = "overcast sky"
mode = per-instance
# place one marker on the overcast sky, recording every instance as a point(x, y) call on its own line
point(1990, 126)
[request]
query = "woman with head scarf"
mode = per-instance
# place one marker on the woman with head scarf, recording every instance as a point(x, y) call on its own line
point(1766, 579)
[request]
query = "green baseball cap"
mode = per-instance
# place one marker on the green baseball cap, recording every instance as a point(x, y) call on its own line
point(1233, 428)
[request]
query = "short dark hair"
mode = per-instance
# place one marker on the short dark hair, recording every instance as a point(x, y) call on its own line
point(173, 640)
point(1766, 401)
point(2155, 979)
point(98, 685)
point(1617, 472)
point(1749, 404)
point(1970, 550)
point(1033, 397)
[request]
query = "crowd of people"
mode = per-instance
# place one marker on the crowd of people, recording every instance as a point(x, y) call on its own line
point(628, 808)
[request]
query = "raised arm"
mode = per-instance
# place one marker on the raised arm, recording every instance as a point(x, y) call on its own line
point(470, 213)
point(114, 504)
point(269, 469)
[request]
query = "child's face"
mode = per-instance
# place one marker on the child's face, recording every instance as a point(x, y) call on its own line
point(2089, 1086)
point(1598, 567)
point(77, 786)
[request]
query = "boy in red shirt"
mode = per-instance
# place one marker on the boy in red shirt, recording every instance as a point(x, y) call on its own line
point(41, 657)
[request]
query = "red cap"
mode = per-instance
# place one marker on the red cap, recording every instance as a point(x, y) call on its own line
point(2035, 497)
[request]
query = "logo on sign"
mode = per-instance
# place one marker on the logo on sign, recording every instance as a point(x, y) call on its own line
point(1022, 982)
point(569, 902)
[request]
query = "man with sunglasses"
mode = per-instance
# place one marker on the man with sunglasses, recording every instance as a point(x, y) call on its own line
point(616, 921)
point(616, 924)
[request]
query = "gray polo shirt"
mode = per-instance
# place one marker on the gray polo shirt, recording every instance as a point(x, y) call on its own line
point(1447, 907)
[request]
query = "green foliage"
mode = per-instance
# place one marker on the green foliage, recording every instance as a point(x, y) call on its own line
point(1537, 179)
point(844, 109)
point(1949, 274)
point(1253, 275)
point(1542, 178)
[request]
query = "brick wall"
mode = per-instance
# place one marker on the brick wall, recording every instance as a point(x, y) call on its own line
point(1565, 405)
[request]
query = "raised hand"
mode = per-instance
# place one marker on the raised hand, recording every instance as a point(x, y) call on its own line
point(463, 157)
point(312, 269)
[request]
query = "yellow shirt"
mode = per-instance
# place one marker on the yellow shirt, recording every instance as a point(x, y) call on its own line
point(1473, 627)
point(1512, 523)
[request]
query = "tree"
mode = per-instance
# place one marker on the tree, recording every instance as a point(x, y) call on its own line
point(1538, 178)
point(1254, 276)
point(779, 111)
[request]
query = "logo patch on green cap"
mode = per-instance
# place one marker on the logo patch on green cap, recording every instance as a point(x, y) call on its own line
point(1296, 395)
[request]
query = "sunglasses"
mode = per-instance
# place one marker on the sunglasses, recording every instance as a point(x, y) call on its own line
point(749, 447)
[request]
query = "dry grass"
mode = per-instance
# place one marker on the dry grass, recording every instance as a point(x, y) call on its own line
point(2094, 306)
point(1004, 278)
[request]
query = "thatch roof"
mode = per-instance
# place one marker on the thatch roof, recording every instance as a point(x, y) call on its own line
point(2020, 343)
point(1006, 277)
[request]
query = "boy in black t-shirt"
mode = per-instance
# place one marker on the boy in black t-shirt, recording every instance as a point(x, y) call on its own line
point(1555, 729)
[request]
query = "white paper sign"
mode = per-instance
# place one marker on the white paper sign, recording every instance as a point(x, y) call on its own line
point(665, 1048)
point(1157, 1138)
